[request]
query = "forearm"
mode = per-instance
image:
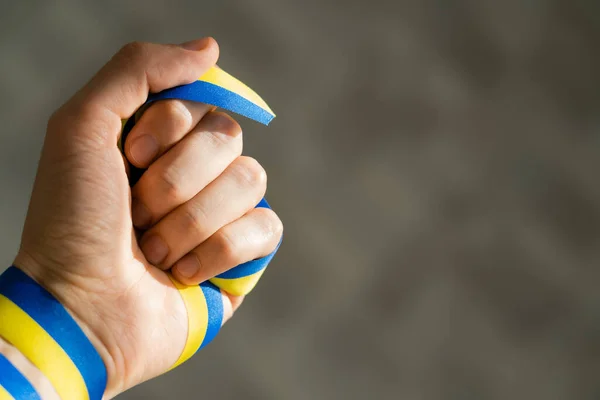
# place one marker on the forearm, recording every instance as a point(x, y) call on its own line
point(27, 370)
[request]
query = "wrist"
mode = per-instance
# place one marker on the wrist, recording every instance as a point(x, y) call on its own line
point(36, 320)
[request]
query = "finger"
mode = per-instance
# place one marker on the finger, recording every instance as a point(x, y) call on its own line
point(123, 84)
point(230, 305)
point(186, 169)
point(229, 197)
point(253, 236)
point(160, 127)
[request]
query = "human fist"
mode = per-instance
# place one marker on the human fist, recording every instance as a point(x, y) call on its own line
point(102, 248)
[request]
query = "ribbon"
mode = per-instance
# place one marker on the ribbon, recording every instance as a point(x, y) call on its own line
point(35, 322)
point(13, 385)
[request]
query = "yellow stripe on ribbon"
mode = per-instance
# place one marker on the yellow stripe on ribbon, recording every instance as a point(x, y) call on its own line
point(197, 312)
point(23, 332)
point(4, 395)
point(238, 286)
point(219, 77)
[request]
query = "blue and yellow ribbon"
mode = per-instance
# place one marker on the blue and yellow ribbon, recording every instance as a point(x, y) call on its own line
point(216, 87)
point(13, 385)
point(204, 305)
point(33, 321)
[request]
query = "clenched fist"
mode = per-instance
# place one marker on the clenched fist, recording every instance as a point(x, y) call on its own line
point(102, 247)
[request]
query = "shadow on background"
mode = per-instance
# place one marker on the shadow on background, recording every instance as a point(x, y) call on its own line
point(435, 164)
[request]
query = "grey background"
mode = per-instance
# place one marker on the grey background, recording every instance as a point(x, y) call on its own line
point(435, 164)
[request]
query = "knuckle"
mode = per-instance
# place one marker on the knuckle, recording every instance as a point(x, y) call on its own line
point(226, 247)
point(277, 226)
point(81, 120)
point(159, 71)
point(250, 172)
point(170, 182)
point(193, 220)
point(225, 130)
point(133, 50)
point(225, 124)
point(180, 116)
point(270, 222)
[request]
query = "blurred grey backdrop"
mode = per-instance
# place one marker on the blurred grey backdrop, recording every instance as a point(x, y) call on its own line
point(435, 163)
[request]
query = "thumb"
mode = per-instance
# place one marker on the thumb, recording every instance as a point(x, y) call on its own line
point(81, 178)
point(123, 84)
point(138, 68)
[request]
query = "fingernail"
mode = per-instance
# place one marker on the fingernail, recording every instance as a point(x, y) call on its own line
point(139, 214)
point(155, 249)
point(197, 45)
point(144, 149)
point(188, 266)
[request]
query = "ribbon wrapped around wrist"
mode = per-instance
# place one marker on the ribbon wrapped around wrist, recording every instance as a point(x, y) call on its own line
point(35, 322)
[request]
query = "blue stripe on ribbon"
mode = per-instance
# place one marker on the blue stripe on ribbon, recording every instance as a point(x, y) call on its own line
point(249, 268)
point(214, 304)
point(15, 383)
point(263, 204)
point(209, 93)
point(56, 321)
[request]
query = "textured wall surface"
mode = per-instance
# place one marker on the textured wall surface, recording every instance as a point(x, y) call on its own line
point(436, 166)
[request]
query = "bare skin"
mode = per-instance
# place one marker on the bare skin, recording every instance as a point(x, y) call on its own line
point(194, 208)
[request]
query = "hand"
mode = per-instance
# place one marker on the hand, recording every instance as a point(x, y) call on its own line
point(194, 207)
